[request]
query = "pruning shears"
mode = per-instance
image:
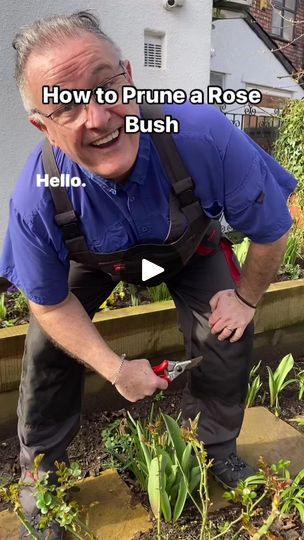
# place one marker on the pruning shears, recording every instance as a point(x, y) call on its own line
point(169, 369)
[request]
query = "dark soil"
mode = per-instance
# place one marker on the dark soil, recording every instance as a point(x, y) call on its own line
point(289, 272)
point(90, 452)
point(17, 311)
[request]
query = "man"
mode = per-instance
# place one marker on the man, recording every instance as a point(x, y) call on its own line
point(127, 201)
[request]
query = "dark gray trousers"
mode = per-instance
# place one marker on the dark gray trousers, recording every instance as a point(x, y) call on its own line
point(51, 385)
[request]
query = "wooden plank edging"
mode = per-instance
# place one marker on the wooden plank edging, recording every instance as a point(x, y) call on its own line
point(151, 329)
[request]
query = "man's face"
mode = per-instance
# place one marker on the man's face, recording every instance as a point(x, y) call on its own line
point(84, 63)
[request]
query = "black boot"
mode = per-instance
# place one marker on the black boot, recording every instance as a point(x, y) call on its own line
point(231, 470)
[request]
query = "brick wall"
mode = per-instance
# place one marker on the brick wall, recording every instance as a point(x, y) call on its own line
point(293, 51)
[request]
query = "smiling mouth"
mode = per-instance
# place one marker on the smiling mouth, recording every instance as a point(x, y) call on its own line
point(107, 141)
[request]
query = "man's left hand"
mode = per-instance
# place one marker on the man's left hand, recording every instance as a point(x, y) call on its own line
point(229, 317)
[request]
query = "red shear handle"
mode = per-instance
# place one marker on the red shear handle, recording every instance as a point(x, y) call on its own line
point(160, 368)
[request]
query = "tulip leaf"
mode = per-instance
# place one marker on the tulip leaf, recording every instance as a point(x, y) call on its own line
point(180, 501)
point(165, 506)
point(186, 459)
point(175, 436)
point(153, 486)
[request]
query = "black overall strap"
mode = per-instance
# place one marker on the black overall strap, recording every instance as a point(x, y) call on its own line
point(65, 216)
point(182, 183)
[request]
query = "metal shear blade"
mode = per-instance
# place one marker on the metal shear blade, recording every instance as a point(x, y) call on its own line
point(177, 368)
point(169, 369)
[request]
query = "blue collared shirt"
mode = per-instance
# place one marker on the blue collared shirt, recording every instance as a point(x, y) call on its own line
point(230, 173)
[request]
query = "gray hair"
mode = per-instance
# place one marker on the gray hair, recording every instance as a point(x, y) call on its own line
point(49, 31)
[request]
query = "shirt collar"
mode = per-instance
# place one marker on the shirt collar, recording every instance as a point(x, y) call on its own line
point(138, 173)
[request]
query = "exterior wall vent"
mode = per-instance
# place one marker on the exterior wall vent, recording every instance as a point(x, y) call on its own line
point(153, 51)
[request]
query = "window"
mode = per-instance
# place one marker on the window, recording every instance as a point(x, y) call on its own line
point(283, 17)
point(217, 79)
point(153, 50)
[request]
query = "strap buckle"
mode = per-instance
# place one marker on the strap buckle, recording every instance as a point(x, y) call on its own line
point(69, 225)
point(184, 191)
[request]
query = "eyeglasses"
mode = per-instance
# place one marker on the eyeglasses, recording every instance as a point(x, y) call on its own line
point(74, 114)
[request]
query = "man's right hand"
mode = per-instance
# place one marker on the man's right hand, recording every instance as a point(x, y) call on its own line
point(67, 323)
point(137, 380)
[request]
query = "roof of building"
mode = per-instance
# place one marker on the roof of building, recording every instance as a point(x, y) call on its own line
point(272, 46)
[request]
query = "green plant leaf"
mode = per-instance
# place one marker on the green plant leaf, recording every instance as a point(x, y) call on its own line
point(255, 370)
point(75, 470)
point(165, 506)
point(180, 501)
point(170, 481)
point(253, 389)
point(298, 419)
point(282, 370)
point(48, 499)
point(241, 250)
point(255, 480)
point(169, 470)
point(300, 507)
point(175, 436)
point(186, 458)
point(298, 478)
point(173, 492)
point(229, 495)
point(194, 481)
point(167, 461)
point(154, 486)
point(272, 388)
point(287, 383)
point(145, 449)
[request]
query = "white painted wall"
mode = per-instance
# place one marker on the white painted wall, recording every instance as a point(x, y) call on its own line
point(187, 63)
point(246, 61)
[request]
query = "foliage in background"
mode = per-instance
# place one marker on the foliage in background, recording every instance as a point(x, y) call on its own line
point(289, 146)
point(294, 247)
point(300, 381)
point(20, 303)
point(277, 380)
point(171, 465)
point(13, 306)
point(160, 293)
point(272, 484)
point(118, 442)
point(164, 464)
point(2, 307)
point(133, 295)
point(290, 271)
point(117, 293)
point(254, 385)
point(241, 250)
point(299, 420)
point(51, 500)
point(293, 252)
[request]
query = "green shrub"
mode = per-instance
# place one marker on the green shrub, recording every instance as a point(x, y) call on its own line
point(289, 147)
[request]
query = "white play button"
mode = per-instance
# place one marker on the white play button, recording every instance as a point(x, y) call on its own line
point(149, 269)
